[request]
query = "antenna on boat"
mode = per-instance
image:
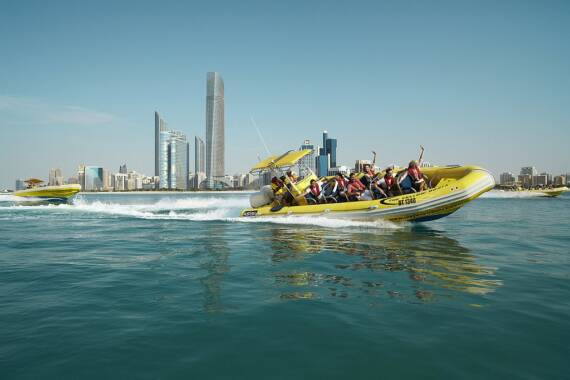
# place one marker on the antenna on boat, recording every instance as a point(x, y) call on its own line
point(260, 136)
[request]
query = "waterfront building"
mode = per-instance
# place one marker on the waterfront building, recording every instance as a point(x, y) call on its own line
point(81, 176)
point(307, 164)
point(123, 169)
point(323, 165)
point(199, 180)
point(548, 177)
point(506, 178)
point(540, 180)
point(559, 180)
point(215, 130)
point(199, 162)
point(159, 126)
point(120, 182)
point(55, 177)
point(359, 165)
point(107, 180)
point(525, 180)
point(199, 155)
point(171, 157)
point(93, 178)
point(72, 180)
point(20, 184)
point(529, 170)
point(331, 151)
point(327, 154)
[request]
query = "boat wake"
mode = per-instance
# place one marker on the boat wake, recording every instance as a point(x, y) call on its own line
point(195, 208)
point(498, 194)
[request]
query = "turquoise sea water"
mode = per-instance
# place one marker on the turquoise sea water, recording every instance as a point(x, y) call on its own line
point(160, 286)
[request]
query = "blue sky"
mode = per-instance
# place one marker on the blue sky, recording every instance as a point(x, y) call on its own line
point(480, 82)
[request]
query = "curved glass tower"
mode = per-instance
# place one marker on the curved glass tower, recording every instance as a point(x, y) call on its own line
point(215, 129)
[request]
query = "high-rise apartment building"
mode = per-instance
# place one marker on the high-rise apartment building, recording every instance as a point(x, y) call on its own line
point(159, 126)
point(173, 160)
point(20, 184)
point(199, 162)
point(506, 178)
point(215, 129)
point(529, 170)
point(307, 163)
point(123, 169)
point(93, 178)
point(199, 156)
point(171, 157)
point(55, 177)
point(327, 155)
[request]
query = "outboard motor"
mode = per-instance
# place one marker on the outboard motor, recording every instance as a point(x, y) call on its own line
point(263, 197)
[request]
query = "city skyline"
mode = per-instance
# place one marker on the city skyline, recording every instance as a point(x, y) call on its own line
point(470, 95)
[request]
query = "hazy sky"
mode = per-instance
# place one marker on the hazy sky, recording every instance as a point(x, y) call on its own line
point(481, 82)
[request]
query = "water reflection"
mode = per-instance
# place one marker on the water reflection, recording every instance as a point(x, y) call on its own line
point(215, 262)
point(418, 263)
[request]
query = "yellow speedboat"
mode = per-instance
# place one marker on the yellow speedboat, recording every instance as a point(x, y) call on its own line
point(554, 192)
point(450, 188)
point(57, 193)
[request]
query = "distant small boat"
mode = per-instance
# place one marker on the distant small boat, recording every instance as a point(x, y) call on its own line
point(554, 192)
point(56, 193)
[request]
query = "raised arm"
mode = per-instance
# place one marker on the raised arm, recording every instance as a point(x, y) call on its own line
point(373, 159)
point(421, 156)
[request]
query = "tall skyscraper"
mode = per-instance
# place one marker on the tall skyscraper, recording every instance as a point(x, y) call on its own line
point(159, 126)
point(173, 160)
point(331, 151)
point(327, 155)
point(171, 157)
point(123, 169)
point(215, 129)
point(199, 156)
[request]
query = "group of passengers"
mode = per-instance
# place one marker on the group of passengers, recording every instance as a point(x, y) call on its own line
point(340, 188)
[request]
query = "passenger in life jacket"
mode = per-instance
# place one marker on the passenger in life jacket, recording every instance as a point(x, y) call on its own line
point(315, 192)
point(341, 186)
point(390, 184)
point(415, 174)
point(276, 185)
point(369, 173)
point(355, 188)
point(291, 177)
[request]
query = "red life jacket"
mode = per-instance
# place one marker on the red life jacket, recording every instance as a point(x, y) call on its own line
point(315, 189)
point(416, 174)
point(341, 184)
point(390, 181)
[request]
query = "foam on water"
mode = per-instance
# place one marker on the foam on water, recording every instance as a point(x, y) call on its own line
point(226, 209)
point(510, 194)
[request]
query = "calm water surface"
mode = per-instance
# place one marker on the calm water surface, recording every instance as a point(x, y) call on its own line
point(159, 286)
